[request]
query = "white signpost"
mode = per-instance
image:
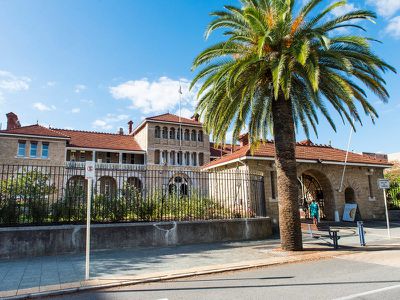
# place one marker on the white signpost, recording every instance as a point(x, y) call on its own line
point(384, 184)
point(89, 175)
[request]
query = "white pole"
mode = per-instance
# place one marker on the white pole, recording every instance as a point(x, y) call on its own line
point(346, 158)
point(88, 216)
point(387, 214)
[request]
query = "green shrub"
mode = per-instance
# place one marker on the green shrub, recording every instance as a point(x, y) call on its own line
point(9, 211)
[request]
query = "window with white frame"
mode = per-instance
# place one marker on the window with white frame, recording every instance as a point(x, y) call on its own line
point(33, 150)
point(45, 150)
point(21, 149)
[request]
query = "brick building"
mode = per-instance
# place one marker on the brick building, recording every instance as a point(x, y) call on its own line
point(320, 170)
point(179, 145)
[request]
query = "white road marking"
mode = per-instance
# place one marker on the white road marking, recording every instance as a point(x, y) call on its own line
point(369, 292)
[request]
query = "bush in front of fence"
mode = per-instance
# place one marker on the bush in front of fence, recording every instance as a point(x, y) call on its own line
point(25, 198)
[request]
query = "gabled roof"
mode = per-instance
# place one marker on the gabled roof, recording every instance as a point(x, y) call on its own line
point(100, 140)
point(168, 118)
point(35, 130)
point(305, 151)
point(173, 119)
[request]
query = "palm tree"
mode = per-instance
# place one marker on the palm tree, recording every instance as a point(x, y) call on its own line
point(277, 68)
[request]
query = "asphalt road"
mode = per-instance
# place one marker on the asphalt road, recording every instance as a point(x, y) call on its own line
point(367, 275)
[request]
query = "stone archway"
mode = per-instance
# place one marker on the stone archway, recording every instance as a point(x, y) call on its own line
point(316, 185)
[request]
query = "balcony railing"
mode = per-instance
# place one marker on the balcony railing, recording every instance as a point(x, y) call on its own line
point(104, 166)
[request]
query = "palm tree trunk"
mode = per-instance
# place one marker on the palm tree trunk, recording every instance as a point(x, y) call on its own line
point(285, 160)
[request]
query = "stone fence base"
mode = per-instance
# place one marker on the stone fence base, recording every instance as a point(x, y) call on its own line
point(18, 242)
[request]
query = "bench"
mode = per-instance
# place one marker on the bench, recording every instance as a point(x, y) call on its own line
point(327, 232)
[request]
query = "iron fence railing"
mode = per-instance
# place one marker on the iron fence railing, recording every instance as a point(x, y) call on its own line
point(42, 195)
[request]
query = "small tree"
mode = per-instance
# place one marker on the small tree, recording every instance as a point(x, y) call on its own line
point(25, 193)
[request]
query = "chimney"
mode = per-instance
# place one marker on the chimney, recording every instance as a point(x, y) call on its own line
point(121, 131)
point(244, 139)
point(12, 121)
point(195, 117)
point(130, 127)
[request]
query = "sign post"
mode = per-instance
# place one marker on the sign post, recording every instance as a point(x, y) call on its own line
point(384, 184)
point(89, 175)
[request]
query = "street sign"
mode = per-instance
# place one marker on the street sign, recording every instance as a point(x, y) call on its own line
point(383, 184)
point(89, 170)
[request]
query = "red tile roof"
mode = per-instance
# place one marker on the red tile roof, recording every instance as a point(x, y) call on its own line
point(304, 151)
point(100, 140)
point(173, 118)
point(36, 130)
point(218, 151)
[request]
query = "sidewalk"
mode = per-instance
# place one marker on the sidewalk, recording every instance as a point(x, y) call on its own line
point(111, 268)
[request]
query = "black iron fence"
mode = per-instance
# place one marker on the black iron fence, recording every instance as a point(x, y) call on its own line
point(41, 195)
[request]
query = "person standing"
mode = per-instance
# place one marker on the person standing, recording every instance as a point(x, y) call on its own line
point(314, 210)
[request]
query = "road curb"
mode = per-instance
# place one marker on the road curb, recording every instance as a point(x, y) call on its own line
point(182, 274)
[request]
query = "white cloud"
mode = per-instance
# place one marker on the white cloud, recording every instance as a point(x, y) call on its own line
point(339, 11)
point(393, 27)
point(75, 110)
point(185, 113)
point(12, 83)
point(385, 8)
point(80, 88)
point(87, 101)
point(43, 107)
point(155, 96)
point(109, 121)
point(50, 83)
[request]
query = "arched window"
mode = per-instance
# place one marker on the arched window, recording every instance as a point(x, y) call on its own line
point(77, 186)
point(179, 185)
point(179, 134)
point(164, 157)
point(157, 132)
point(108, 186)
point(194, 159)
point(172, 157)
point(165, 133)
point(157, 157)
point(200, 136)
point(201, 159)
point(349, 195)
point(180, 158)
point(134, 182)
point(187, 158)
point(172, 134)
point(187, 135)
point(193, 136)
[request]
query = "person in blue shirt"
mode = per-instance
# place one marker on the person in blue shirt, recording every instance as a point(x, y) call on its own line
point(314, 209)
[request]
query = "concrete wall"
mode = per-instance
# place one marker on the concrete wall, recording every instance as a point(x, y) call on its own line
point(52, 240)
point(9, 148)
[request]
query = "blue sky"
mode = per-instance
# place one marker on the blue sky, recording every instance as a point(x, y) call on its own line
point(96, 64)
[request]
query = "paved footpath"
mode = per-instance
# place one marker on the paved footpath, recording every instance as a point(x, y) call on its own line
point(112, 268)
